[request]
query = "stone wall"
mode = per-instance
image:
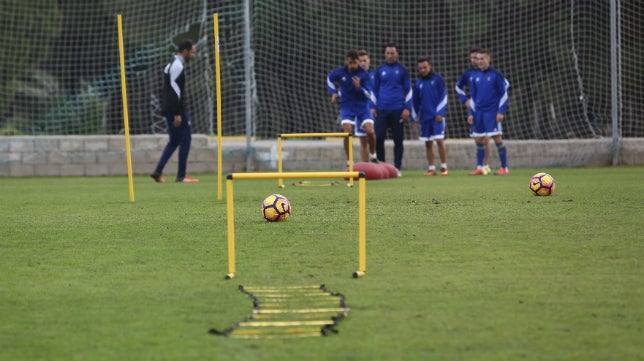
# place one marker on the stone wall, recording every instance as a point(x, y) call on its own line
point(22, 156)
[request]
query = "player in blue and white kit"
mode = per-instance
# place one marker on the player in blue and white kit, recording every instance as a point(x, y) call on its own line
point(392, 88)
point(429, 105)
point(467, 78)
point(463, 85)
point(490, 101)
point(350, 84)
point(365, 63)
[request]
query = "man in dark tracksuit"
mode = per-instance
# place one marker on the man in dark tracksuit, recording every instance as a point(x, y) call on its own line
point(392, 88)
point(176, 114)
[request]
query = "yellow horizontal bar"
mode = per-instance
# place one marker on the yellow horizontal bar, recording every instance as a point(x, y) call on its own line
point(278, 289)
point(285, 323)
point(309, 304)
point(305, 310)
point(213, 138)
point(265, 336)
point(293, 292)
point(274, 332)
point(300, 135)
point(268, 175)
point(280, 299)
point(292, 295)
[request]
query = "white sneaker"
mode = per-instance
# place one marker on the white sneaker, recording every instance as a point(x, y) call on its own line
point(399, 173)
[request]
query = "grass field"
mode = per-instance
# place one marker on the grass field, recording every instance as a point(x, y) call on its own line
point(458, 268)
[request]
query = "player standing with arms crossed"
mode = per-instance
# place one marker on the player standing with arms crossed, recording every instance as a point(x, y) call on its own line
point(430, 103)
point(490, 96)
point(350, 86)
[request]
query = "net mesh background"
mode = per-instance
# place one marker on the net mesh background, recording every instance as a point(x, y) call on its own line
point(61, 72)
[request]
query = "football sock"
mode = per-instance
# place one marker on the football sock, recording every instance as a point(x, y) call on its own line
point(443, 165)
point(503, 154)
point(431, 167)
point(480, 153)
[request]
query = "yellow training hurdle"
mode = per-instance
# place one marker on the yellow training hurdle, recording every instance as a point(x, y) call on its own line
point(280, 181)
point(362, 243)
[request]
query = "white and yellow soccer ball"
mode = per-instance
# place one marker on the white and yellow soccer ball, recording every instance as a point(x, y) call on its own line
point(542, 184)
point(276, 208)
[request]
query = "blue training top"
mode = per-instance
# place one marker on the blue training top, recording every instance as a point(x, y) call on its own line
point(340, 81)
point(392, 87)
point(430, 97)
point(466, 80)
point(490, 91)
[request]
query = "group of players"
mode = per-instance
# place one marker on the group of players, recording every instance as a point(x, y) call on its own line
point(375, 101)
point(386, 95)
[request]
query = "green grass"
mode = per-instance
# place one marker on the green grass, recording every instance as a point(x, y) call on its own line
point(458, 268)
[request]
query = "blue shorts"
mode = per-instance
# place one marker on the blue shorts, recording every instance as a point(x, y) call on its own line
point(485, 124)
point(430, 129)
point(357, 119)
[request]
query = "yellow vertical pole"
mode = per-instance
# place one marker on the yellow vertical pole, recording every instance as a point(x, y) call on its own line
point(231, 228)
point(350, 140)
point(280, 182)
point(215, 25)
point(128, 151)
point(362, 229)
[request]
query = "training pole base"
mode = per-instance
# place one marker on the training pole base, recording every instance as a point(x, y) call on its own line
point(358, 274)
point(229, 276)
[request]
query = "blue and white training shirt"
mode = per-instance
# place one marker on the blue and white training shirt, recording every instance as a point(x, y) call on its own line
point(490, 91)
point(351, 98)
point(430, 98)
point(392, 87)
point(466, 80)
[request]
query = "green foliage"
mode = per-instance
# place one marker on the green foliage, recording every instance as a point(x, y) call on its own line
point(27, 33)
point(458, 268)
point(10, 130)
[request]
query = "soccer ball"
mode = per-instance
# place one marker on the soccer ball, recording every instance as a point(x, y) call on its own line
point(276, 208)
point(542, 184)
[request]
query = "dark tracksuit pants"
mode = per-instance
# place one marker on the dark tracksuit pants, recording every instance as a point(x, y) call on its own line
point(179, 137)
point(390, 119)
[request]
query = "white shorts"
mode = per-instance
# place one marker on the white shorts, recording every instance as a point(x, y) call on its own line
point(358, 130)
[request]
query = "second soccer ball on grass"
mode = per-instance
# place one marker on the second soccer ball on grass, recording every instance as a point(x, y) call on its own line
point(276, 208)
point(542, 184)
